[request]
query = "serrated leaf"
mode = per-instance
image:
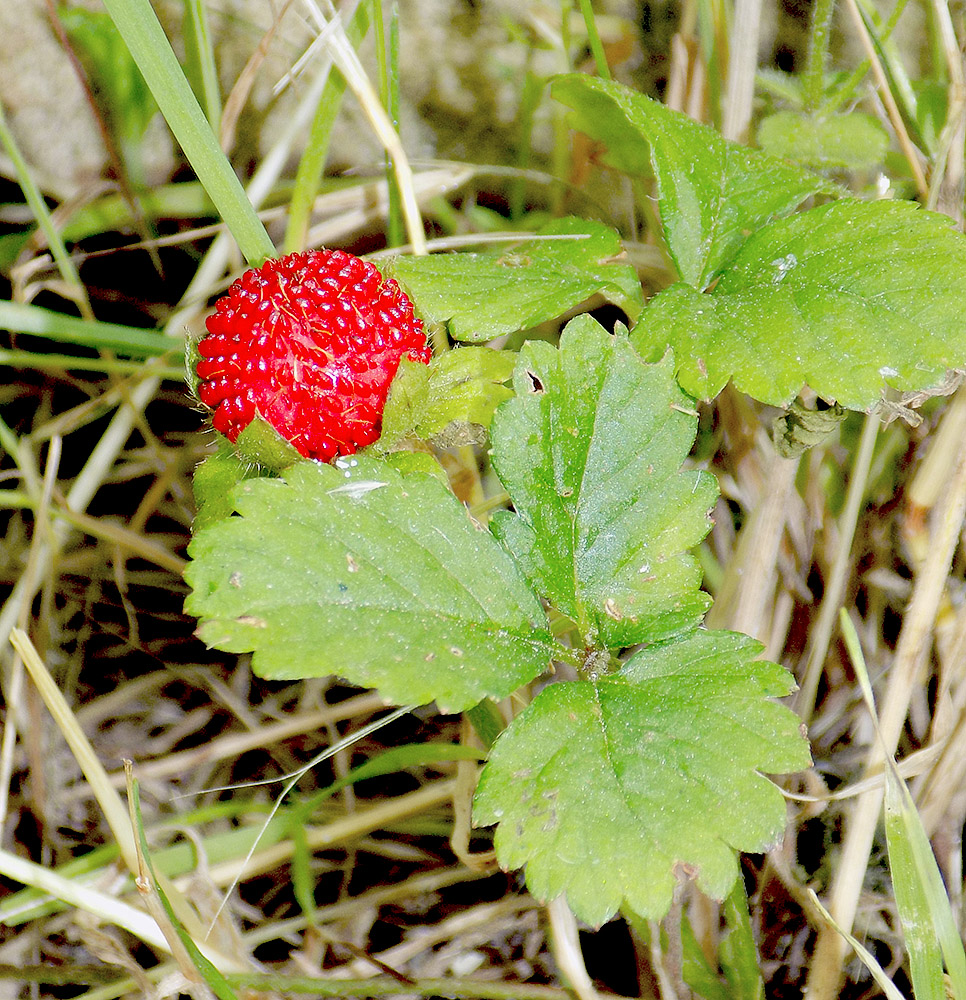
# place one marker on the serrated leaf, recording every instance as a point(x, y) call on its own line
point(358, 571)
point(590, 451)
point(712, 193)
point(480, 296)
point(852, 141)
point(849, 298)
point(462, 386)
point(609, 791)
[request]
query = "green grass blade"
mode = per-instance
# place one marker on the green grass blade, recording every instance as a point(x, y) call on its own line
point(202, 60)
point(927, 919)
point(211, 976)
point(128, 340)
point(593, 37)
point(149, 45)
point(882, 980)
point(911, 890)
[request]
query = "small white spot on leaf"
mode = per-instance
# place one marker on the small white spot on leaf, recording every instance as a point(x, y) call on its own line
point(357, 490)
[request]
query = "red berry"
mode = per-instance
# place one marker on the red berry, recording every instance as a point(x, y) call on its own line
point(309, 342)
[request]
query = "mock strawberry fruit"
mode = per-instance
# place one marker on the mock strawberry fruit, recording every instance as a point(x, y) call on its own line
point(309, 342)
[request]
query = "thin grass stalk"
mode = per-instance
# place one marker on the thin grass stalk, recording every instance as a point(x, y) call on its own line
point(711, 41)
point(346, 58)
point(567, 950)
point(921, 898)
point(85, 898)
point(68, 363)
point(13, 686)
point(888, 98)
point(826, 971)
point(821, 632)
point(387, 57)
point(38, 206)
point(949, 166)
point(312, 164)
point(142, 33)
point(386, 986)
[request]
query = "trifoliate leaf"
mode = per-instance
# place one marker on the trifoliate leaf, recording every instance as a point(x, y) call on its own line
point(852, 141)
point(712, 193)
point(849, 298)
point(611, 791)
point(590, 451)
point(462, 386)
point(480, 296)
point(358, 571)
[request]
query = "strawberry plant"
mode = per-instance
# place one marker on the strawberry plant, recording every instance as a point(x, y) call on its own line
point(525, 492)
point(640, 757)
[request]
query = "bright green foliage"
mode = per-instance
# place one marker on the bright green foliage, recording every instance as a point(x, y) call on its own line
point(358, 571)
point(456, 391)
point(852, 141)
point(849, 297)
point(603, 788)
point(590, 451)
point(485, 295)
point(608, 787)
point(711, 193)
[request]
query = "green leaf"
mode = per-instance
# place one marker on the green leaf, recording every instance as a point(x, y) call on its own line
point(122, 95)
point(852, 141)
point(738, 950)
point(485, 295)
point(849, 298)
point(461, 387)
point(356, 570)
point(590, 451)
point(214, 481)
point(609, 791)
point(712, 193)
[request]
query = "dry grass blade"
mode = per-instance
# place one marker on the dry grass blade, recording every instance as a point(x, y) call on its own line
point(910, 655)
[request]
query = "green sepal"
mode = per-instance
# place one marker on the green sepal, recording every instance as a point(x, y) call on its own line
point(260, 444)
point(449, 401)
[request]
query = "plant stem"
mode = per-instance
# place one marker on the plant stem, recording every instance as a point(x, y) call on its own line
point(593, 36)
point(141, 31)
point(818, 52)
